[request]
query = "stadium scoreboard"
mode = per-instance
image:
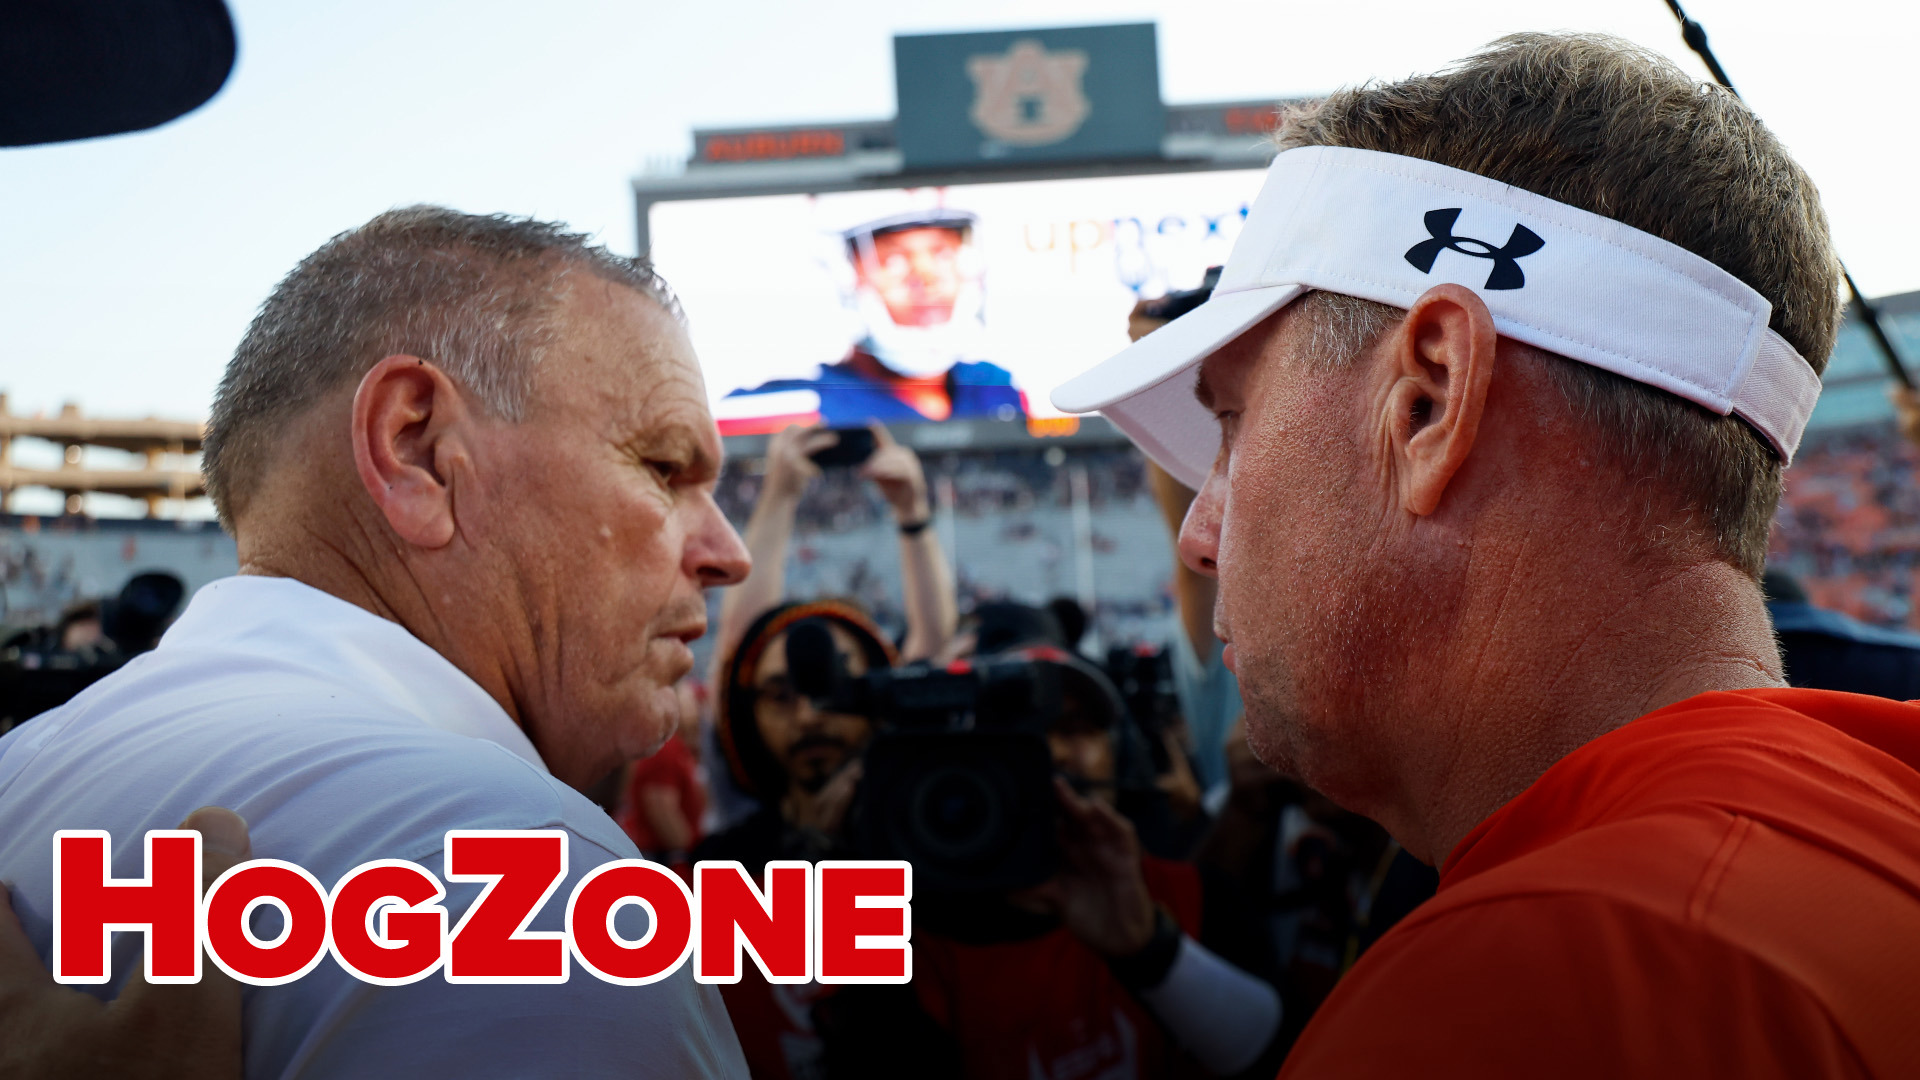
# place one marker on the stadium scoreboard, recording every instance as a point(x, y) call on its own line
point(994, 234)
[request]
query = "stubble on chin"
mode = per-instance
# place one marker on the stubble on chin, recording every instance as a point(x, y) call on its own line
point(1271, 728)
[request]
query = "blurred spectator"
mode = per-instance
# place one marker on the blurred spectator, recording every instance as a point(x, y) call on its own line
point(1001, 626)
point(79, 627)
point(665, 796)
point(1209, 693)
point(1072, 619)
point(43, 667)
point(1825, 650)
point(1906, 408)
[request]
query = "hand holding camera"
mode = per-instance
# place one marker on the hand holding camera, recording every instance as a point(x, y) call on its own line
point(896, 470)
point(790, 459)
point(1099, 893)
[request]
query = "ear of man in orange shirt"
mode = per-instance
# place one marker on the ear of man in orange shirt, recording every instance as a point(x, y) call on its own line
point(1729, 886)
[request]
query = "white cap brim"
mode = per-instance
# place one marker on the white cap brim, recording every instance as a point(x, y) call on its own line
point(1146, 390)
point(1387, 228)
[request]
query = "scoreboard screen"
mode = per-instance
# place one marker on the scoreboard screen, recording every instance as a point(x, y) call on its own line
point(927, 304)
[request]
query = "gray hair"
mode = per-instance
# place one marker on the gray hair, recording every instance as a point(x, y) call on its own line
point(473, 293)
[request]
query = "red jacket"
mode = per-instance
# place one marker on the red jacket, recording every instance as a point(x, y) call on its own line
point(1726, 887)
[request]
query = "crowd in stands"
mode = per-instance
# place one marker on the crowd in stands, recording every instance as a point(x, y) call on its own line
point(982, 483)
point(31, 589)
point(1849, 525)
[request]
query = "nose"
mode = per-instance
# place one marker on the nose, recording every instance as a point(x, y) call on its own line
point(1200, 533)
point(715, 554)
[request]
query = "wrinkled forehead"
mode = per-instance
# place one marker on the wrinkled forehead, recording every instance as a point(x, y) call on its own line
point(616, 351)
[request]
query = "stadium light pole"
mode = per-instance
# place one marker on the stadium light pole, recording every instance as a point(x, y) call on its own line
point(1695, 36)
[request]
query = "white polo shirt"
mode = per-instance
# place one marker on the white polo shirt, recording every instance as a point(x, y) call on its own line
point(341, 738)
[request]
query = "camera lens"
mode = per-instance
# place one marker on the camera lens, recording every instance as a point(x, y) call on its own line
point(956, 814)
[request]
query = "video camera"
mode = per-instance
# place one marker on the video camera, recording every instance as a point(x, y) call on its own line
point(958, 778)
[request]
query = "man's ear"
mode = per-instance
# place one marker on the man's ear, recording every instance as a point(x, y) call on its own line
point(408, 422)
point(1441, 359)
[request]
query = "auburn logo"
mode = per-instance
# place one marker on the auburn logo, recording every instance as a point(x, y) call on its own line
point(1029, 97)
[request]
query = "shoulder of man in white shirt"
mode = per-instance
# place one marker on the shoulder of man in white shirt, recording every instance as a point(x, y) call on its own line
point(330, 774)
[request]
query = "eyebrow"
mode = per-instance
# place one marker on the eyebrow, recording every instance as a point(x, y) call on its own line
point(674, 440)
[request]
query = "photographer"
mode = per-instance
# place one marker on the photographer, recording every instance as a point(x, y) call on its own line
point(1098, 962)
point(801, 763)
point(925, 579)
point(1099, 968)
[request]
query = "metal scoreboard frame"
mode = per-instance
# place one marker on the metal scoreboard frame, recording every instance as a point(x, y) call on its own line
point(1044, 104)
point(815, 159)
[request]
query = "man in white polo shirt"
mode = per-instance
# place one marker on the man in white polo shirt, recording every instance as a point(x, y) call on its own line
point(469, 465)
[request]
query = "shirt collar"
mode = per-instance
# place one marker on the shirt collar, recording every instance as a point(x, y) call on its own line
point(299, 624)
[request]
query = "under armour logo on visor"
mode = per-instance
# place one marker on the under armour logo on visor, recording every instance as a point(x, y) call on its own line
point(1506, 260)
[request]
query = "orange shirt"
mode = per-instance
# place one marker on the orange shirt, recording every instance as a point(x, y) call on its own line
point(1729, 886)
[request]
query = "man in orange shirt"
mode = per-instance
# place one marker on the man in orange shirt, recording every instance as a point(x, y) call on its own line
point(1488, 416)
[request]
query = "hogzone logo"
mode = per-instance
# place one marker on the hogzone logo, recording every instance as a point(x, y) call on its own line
point(831, 922)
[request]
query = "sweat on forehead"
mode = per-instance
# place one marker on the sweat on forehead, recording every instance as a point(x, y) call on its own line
point(1333, 328)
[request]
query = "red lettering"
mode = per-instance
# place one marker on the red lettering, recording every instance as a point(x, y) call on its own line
point(303, 918)
point(492, 943)
point(410, 940)
point(864, 922)
point(775, 926)
point(772, 146)
point(615, 885)
point(88, 906)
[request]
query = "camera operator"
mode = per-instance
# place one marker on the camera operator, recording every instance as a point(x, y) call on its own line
point(801, 763)
point(1166, 812)
point(1096, 963)
point(1098, 970)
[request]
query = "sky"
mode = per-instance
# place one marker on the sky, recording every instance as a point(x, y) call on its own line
point(129, 266)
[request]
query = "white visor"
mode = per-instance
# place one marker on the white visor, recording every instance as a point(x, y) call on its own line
point(1387, 228)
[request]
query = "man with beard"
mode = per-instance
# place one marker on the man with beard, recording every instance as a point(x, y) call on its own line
point(1488, 416)
point(798, 761)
